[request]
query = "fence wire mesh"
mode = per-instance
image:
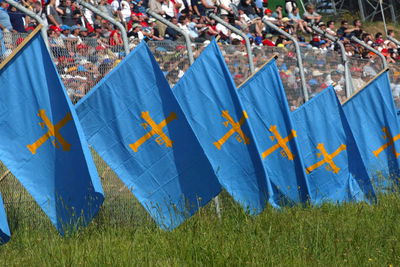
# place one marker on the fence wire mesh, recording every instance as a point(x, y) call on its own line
point(172, 58)
point(83, 62)
point(363, 70)
point(8, 42)
point(394, 75)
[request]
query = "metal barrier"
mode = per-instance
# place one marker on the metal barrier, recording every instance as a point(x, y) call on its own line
point(298, 55)
point(110, 19)
point(241, 34)
point(363, 70)
point(177, 29)
point(394, 77)
point(8, 42)
point(83, 62)
point(33, 15)
point(347, 76)
point(172, 57)
point(288, 70)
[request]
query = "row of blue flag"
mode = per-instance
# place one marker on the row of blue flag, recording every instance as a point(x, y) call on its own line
point(176, 148)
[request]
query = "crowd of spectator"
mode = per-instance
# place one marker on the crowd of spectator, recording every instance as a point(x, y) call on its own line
point(86, 46)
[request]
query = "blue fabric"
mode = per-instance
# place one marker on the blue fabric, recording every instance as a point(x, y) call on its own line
point(369, 112)
point(41, 141)
point(264, 99)
point(4, 229)
point(324, 134)
point(210, 102)
point(170, 180)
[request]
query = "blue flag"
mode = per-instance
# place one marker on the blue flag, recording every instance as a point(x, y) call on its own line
point(264, 99)
point(336, 172)
point(41, 141)
point(133, 121)
point(373, 120)
point(209, 100)
point(4, 230)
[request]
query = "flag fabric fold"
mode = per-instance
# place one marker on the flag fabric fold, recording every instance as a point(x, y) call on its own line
point(373, 120)
point(210, 102)
point(135, 124)
point(336, 172)
point(41, 141)
point(264, 100)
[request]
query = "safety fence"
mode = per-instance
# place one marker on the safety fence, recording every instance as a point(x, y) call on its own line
point(394, 75)
point(83, 62)
point(8, 42)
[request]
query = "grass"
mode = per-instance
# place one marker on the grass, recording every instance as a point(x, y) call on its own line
point(123, 234)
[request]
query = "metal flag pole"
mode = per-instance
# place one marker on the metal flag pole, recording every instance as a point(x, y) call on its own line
point(30, 13)
point(242, 34)
point(298, 54)
point(176, 28)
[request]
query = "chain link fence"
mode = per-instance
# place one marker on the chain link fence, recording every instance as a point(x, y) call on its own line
point(83, 62)
point(8, 42)
point(363, 70)
point(394, 75)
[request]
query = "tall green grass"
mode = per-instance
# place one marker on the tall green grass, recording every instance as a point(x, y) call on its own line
point(124, 234)
point(350, 234)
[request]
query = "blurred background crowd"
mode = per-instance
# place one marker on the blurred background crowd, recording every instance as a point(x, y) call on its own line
point(85, 46)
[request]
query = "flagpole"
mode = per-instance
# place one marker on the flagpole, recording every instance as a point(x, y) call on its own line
point(368, 83)
point(268, 61)
point(20, 46)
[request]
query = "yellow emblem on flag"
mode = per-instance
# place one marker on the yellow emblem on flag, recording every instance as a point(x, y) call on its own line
point(236, 128)
point(281, 143)
point(390, 142)
point(156, 129)
point(327, 159)
point(53, 131)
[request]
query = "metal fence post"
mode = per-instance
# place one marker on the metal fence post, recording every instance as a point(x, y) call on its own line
point(347, 74)
point(298, 54)
point(362, 11)
point(242, 34)
point(394, 40)
point(30, 13)
point(358, 41)
point(176, 28)
point(110, 19)
point(383, 16)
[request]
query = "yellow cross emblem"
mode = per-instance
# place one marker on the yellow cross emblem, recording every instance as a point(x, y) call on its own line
point(390, 142)
point(281, 143)
point(327, 158)
point(236, 128)
point(156, 129)
point(53, 131)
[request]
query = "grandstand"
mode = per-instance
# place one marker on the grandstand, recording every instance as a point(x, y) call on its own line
point(85, 46)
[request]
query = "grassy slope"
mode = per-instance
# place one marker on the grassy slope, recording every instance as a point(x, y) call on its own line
point(356, 234)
